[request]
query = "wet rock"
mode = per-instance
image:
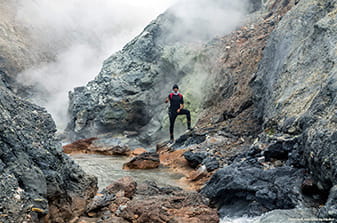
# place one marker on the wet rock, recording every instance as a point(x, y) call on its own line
point(143, 161)
point(81, 145)
point(240, 189)
point(103, 146)
point(281, 216)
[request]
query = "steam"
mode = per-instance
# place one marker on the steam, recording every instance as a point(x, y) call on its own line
point(78, 35)
point(206, 19)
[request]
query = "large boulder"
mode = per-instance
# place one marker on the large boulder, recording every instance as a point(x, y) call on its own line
point(38, 180)
point(244, 189)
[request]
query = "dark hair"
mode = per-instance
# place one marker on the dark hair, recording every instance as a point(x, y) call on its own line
point(175, 86)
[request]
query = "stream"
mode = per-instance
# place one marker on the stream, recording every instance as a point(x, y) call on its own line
point(110, 168)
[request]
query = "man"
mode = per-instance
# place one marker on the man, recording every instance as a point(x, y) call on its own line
point(177, 108)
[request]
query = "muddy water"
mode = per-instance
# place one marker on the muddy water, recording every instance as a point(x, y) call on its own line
point(109, 168)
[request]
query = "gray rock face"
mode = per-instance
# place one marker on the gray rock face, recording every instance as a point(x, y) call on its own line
point(296, 85)
point(36, 178)
point(129, 92)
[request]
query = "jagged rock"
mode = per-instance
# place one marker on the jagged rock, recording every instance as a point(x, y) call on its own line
point(330, 208)
point(38, 179)
point(81, 145)
point(152, 203)
point(194, 159)
point(296, 85)
point(211, 163)
point(171, 206)
point(143, 161)
point(100, 201)
point(242, 189)
point(126, 184)
point(103, 146)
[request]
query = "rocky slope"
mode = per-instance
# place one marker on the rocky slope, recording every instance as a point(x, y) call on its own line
point(38, 182)
point(270, 110)
point(295, 87)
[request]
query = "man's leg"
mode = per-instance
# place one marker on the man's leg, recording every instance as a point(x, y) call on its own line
point(173, 117)
point(188, 116)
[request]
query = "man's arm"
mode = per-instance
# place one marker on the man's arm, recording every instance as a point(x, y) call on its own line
point(181, 107)
point(181, 104)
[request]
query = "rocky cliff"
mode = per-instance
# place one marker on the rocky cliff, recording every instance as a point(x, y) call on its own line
point(38, 182)
point(129, 91)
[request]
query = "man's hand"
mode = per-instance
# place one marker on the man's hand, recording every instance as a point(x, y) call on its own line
point(166, 100)
point(178, 110)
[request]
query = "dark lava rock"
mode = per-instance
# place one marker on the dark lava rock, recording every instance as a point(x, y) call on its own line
point(37, 178)
point(146, 160)
point(243, 190)
point(275, 151)
point(211, 163)
point(194, 159)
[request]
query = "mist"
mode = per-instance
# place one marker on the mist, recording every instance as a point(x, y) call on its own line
point(79, 35)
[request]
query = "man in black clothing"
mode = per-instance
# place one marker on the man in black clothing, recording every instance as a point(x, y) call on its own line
point(177, 108)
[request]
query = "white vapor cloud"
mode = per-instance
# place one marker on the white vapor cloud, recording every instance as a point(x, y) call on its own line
point(80, 34)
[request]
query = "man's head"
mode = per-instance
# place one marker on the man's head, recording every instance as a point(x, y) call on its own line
point(175, 88)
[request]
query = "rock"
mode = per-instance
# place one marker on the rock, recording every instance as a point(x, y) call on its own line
point(138, 151)
point(103, 146)
point(275, 151)
point(295, 86)
point(100, 201)
point(175, 206)
point(40, 182)
point(240, 189)
point(198, 174)
point(330, 209)
point(143, 161)
point(126, 184)
point(211, 163)
point(194, 159)
point(309, 187)
point(81, 145)
point(280, 216)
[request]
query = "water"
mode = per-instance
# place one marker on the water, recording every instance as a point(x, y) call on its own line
point(109, 168)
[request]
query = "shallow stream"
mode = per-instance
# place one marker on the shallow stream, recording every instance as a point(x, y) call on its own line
point(110, 168)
